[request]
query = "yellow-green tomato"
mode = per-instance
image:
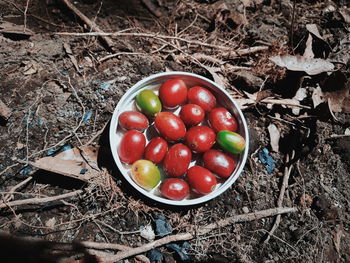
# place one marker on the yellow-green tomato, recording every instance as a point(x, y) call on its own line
point(145, 174)
point(148, 102)
point(230, 141)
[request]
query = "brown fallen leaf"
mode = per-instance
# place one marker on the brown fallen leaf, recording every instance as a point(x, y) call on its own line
point(317, 96)
point(311, 66)
point(5, 111)
point(11, 28)
point(337, 235)
point(345, 12)
point(79, 163)
point(274, 137)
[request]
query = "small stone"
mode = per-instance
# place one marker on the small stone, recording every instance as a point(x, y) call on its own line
point(147, 232)
point(245, 209)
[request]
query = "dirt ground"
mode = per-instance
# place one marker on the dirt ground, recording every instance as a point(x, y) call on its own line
point(62, 90)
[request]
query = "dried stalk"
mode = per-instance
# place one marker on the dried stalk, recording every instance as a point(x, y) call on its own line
point(35, 201)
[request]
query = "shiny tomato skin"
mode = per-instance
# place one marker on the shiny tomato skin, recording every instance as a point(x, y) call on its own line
point(221, 119)
point(173, 93)
point(231, 142)
point(170, 126)
point(175, 189)
point(219, 163)
point(192, 114)
point(133, 120)
point(146, 174)
point(177, 160)
point(200, 138)
point(131, 146)
point(202, 97)
point(201, 180)
point(156, 149)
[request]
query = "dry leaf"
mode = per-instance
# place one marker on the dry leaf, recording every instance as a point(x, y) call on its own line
point(300, 94)
point(311, 66)
point(79, 163)
point(30, 68)
point(312, 28)
point(308, 53)
point(317, 97)
point(5, 111)
point(337, 235)
point(51, 222)
point(274, 137)
point(11, 28)
point(345, 12)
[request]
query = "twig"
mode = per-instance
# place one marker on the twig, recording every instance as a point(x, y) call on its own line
point(149, 35)
point(118, 54)
point(244, 51)
point(287, 171)
point(90, 23)
point(281, 102)
point(17, 186)
point(200, 58)
point(34, 201)
point(25, 16)
point(138, 250)
point(245, 218)
point(97, 245)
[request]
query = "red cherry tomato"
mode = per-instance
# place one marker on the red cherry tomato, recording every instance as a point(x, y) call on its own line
point(156, 149)
point(173, 93)
point(177, 160)
point(201, 180)
point(221, 119)
point(200, 138)
point(202, 97)
point(175, 189)
point(170, 126)
point(219, 163)
point(133, 120)
point(131, 146)
point(191, 114)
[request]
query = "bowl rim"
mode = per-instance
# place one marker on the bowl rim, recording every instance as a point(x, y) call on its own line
point(188, 202)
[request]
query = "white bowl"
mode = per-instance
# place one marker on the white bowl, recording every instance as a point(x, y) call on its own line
point(127, 102)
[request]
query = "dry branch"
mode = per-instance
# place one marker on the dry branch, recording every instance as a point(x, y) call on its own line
point(17, 186)
point(138, 250)
point(97, 245)
point(90, 23)
point(287, 171)
point(34, 201)
point(230, 52)
point(245, 218)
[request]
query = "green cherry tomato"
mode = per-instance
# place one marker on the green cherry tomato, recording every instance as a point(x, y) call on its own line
point(145, 174)
point(148, 102)
point(230, 141)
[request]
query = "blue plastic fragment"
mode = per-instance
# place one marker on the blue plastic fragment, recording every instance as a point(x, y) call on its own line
point(266, 158)
point(238, 198)
point(64, 72)
point(154, 255)
point(84, 170)
point(104, 86)
point(26, 170)
point(40, 122)
point(62, 149)
point(87, 116)
point(66, 147)
point(180, 250)
point(163, 228)
point(51, 152)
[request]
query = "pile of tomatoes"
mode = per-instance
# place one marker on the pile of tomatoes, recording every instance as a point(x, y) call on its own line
point(191, 135)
